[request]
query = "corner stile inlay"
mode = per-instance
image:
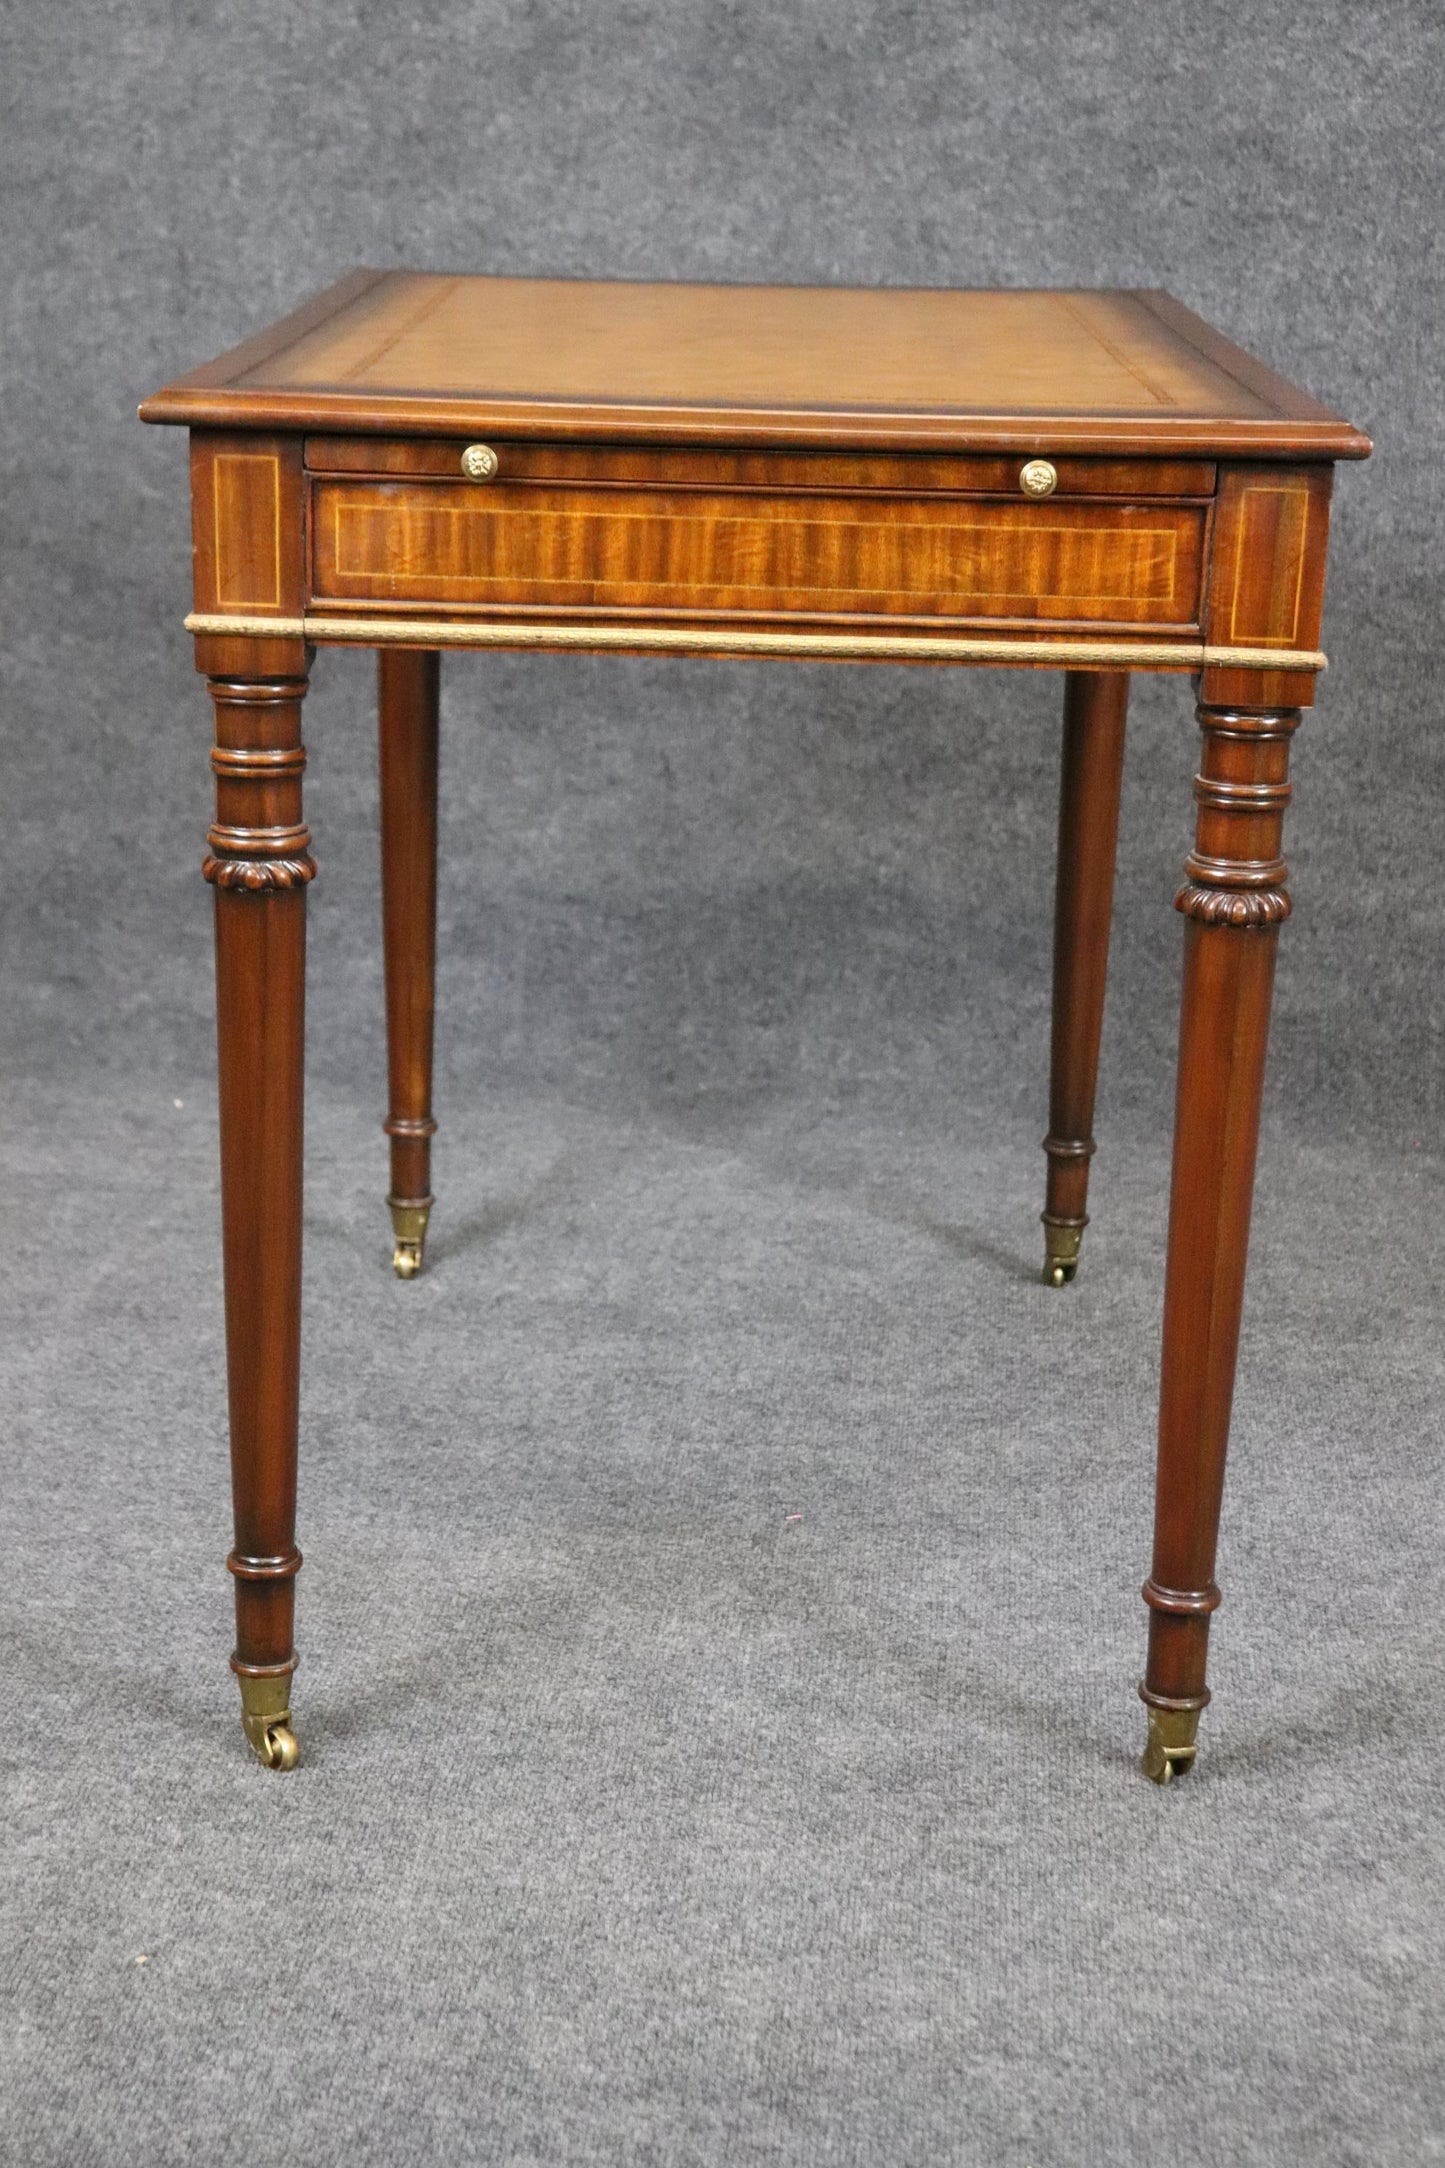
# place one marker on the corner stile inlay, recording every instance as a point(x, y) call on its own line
point(1274, 523)
point(246, 508)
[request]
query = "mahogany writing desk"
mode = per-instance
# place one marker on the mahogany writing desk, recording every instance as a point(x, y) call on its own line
point(1096, 482)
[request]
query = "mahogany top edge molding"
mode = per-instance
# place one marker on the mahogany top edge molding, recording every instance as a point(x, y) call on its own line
point(845, 368)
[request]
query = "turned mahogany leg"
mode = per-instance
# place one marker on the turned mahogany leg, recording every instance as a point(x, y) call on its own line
point(1233, 900)
point(259, 865)
point(408, 682)
point(1095, 704)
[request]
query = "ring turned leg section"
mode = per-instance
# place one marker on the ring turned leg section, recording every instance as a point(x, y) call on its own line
point(1233, 900)
point(408, 688)
point(259, 866)
point(1095, 706)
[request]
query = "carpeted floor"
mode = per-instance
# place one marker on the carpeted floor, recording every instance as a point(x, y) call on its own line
point(720, 1617)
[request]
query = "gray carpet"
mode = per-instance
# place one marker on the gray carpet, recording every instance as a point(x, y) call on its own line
point(720, 1615)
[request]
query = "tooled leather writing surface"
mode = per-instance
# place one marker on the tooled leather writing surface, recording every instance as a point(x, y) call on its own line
point(394, 350)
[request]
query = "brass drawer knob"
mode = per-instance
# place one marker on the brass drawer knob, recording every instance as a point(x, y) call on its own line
point(1039, 478)
point(479, 463)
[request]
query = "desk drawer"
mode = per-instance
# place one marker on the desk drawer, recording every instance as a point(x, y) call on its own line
point(534, 547)
point(619, 551)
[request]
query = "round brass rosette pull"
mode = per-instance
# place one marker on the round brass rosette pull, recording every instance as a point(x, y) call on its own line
point(1039, 478)
point(479, 463)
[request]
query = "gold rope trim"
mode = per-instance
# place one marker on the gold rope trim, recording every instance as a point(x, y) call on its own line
point(731, 640)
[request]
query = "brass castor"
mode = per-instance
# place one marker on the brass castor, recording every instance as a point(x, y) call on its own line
point(1061, 1249)
point(1172, 1744)
point(280, 1747)
point(266, 1719)
point(408, 1223)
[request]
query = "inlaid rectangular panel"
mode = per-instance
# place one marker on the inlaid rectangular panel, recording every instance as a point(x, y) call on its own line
point(1264, 602)
point(247, 492)
point(248, 509)
point(1267, 586)
point(760, 554)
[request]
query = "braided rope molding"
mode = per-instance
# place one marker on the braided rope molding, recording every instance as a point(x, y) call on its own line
point(731, 640)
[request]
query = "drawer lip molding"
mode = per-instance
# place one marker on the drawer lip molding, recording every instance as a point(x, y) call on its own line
point(1104, 653)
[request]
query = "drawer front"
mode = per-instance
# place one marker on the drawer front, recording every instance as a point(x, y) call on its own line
point(525, 546)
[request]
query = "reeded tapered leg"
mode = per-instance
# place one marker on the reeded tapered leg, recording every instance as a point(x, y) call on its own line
point(1095, 705)
point(408, 686)
point(259, 865)
point(1234, 900)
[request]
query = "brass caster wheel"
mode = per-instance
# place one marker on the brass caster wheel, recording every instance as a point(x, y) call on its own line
point(280, 1748)
point(266, 1719)
point(1172, 1744)
point(1061, 1249)
point(408, 1225)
